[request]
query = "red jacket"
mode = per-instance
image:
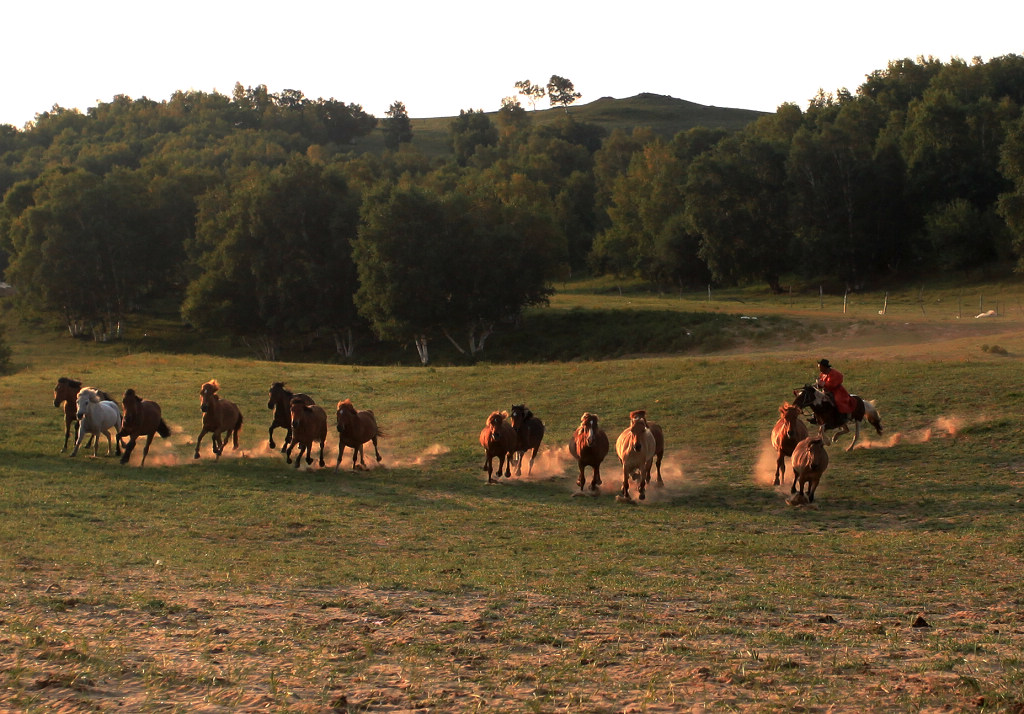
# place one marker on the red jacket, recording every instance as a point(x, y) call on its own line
point(832, 382)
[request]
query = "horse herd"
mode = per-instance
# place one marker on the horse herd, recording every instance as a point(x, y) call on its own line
point(506, 436)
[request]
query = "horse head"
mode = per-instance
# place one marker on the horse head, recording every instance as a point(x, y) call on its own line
point(208, 395)
point(518, 415)
point(346, 411)
point(278, 395)
point(588, 428)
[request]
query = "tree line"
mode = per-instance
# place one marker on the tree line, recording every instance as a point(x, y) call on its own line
point(257, 214)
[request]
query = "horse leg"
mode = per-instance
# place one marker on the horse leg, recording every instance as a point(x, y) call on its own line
point(199, 440)
point(145, 449)
point(126, 454)
point(856, 434)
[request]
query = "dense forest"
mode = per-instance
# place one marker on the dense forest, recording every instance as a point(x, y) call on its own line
point(262, 215)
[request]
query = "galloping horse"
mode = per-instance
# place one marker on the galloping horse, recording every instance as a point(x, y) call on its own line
point(355, 428)
point(66, 392)
point(529, 433)
point(142, 417)
point(788, 431)
point(309, 425)
point(828, 417)
point(635, 448)
point(659, 444)
point(281, 403)
point(221, 418)
point(499, 441)
point(96, 415)
point(589, 446)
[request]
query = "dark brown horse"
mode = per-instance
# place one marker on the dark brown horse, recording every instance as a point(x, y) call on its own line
point(66, 392)
point(589, 446)
point(221, 418)
point(309, 425)
point(529, 433)
point(280, 402)
point(355, 428)
point(142, 417)
point(499, 441)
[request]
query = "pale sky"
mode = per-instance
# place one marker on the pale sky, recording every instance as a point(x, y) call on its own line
point(442, 56)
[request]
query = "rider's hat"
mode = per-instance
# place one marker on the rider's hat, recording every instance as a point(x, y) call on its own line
point(823, 364)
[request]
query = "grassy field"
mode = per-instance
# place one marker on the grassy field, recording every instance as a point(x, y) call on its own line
point(245, 584)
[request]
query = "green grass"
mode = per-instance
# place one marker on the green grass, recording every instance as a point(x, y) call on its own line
point(246, 583)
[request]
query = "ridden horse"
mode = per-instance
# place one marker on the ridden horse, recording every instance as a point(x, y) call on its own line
point(355, 428)
point(281, 403)
point(142, 417)
point(659, 445)
point(589, 446)
point(308, 426)
point(499, 441)
point(96, 415)
point(221, 418)
point(529, 433)
point(788, 431)
point(809, 462)
point(828, 417)
point(66, 392)
point(635, 448)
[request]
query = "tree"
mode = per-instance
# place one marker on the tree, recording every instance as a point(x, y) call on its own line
point(272, 256)
point(561, 93)
point(439, 265)
point(532, 92)
point(397, 127)
point(469, 131)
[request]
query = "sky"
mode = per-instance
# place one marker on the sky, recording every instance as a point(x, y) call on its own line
point(444, 56)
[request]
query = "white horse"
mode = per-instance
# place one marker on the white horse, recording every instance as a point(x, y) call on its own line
point(96, 416)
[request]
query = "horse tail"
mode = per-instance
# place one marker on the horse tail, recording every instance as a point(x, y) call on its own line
point(163, 430)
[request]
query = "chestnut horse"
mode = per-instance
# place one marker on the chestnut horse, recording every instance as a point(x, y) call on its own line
point(499, 441)
point(635, 448)
point(355, 428)
point(142, 417)
point(309, 425)
point(788, 431)
point(529, 433)
point(659, 445)
point(66, 392)
point(281, 403)
point(221, 418)
point(589, 446)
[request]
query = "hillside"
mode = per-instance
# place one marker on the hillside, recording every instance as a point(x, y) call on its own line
point(666, 115)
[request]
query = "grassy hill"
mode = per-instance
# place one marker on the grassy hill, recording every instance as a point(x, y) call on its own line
point(667, 116)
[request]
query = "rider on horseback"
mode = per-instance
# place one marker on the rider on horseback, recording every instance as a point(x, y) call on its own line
point(831, 382)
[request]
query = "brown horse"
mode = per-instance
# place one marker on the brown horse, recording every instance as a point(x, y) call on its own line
point(499, 441)
point(221, 418)
point(635, 448)
point(659, 445)
point(280, 402)
point(66, 392)
point(589, 446)
point(529, 433)
point(355, 428)
point(142, 417)
point(309, 425)
point(788, 431)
